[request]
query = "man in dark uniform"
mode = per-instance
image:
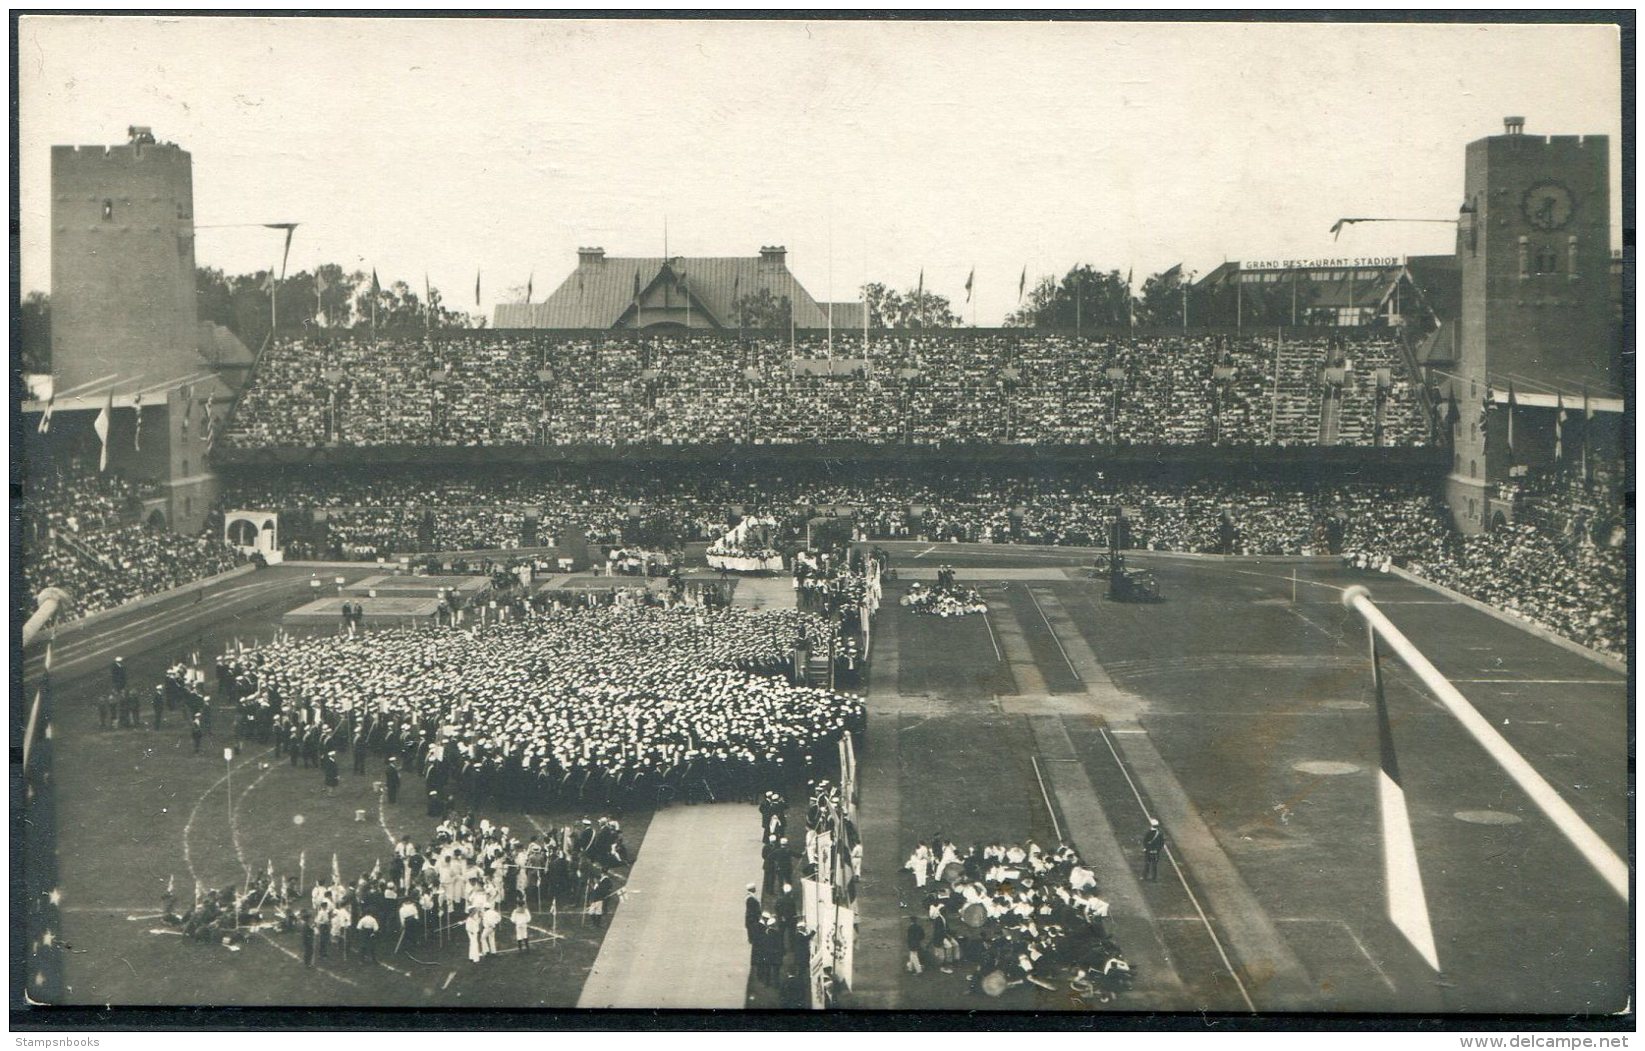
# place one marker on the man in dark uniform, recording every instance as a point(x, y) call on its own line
point(117, 675)
point(391, 778)
point(328, 767)
point(360, 751)
point(294, 741)
point(159, 701)
point(1152, 843)
point(751, 913)
point(308, 939)
point(196, 731)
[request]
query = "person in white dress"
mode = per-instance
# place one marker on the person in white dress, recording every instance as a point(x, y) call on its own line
point(473, 926)
point(490, 920)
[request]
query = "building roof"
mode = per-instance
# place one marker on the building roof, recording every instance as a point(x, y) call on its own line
point(599, 293)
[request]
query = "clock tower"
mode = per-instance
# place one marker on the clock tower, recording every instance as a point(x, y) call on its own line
point(1533, 245)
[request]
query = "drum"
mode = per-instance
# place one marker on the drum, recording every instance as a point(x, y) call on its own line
point(993, 983)
point(953, 872)
point(974, 915)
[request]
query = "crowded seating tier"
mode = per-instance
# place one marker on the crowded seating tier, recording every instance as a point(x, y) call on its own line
point(1569, 578)
point(512, 389)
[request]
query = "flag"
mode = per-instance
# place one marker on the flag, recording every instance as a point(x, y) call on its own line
point(270, 868)
point(1587, 425)
point(101, 426)
point(476, 288)
point(209, 434)
point(45, 417)
point(1453, 414)
point(1173, 274)
point(171, 883)
point(1407, 902)
point(1022, 284)
point(969, 279)
point(919, 291)
point(376, 291)
point(289, 228)
point(428, 301)
point(529, 278)
point(268, 283)
point(336, 873)
point(1511, 407)
point(320, 287)
point(137, 431)
point(1559, 428)
point(48, 656)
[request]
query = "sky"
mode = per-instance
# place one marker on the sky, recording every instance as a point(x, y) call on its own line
point(871, 150)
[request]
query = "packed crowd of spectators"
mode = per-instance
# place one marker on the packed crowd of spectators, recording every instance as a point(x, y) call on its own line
point(627, 701)
point(522, 389)
point(83, 533)
point(1563, 564)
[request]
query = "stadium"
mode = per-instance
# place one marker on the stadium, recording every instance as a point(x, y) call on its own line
point(1258, 645)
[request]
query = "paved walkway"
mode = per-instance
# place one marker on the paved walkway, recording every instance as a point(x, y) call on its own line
point(677, 939)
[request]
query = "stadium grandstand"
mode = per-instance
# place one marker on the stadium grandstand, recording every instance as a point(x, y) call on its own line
point(664, 532)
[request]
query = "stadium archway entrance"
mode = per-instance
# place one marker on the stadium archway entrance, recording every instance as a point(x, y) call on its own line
point(253, 533)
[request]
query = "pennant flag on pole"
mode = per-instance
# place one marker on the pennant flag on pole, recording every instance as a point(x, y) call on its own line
point(968, 280)
point(320, 287)
point(1407, 901)
point(289, 228)
point(376, 290)
point(476, 288)
point(1587, 425)
point(101, 426)
point(1558, 430)
point(137, 431)
point(428, 302)
point(45, 417)
point(1022, 284)
point(1511, 405)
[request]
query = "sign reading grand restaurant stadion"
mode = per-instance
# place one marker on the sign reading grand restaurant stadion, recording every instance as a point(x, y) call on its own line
point(1322, 264)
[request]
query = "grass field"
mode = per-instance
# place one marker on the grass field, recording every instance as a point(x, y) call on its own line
point(1060, 712)
point(1208, 710)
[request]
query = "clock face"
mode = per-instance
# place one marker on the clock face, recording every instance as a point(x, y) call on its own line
point(1548, 205)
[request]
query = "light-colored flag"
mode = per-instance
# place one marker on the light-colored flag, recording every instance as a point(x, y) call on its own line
point(101, 426)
